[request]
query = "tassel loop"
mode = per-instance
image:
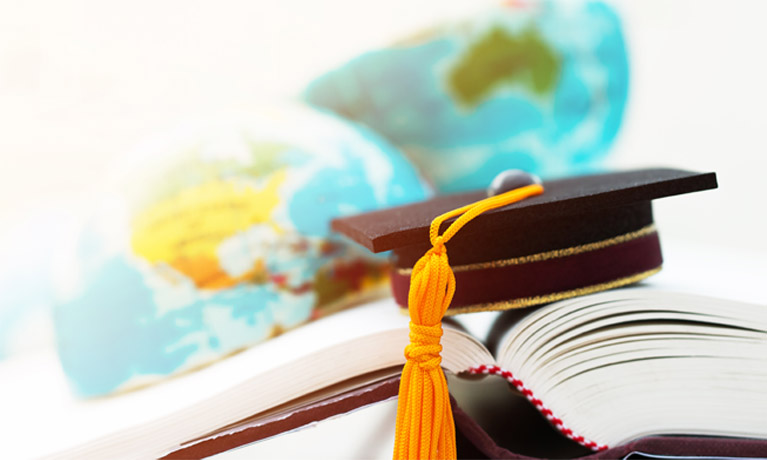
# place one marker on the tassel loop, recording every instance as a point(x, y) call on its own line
point(438, 246)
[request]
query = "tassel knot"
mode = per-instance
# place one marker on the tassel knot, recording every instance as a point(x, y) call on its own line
point(424, 347)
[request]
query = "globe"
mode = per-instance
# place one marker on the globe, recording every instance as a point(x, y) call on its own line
point(215, 236)
point(535, 85)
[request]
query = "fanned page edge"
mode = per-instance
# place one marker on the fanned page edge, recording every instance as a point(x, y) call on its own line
point(497, 368)
point(222, 395)
point(461, 350)
point(555, 421)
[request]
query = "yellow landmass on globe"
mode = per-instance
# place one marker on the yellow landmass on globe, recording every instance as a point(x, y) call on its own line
point(185, 230)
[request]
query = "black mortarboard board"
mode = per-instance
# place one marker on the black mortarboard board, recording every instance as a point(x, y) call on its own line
point(582, 235)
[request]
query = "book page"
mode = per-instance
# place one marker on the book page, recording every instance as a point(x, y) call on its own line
point(149, 421)
point(46, 404)
point(678, 363)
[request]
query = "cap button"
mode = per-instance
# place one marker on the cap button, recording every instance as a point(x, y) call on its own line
point(509, 180)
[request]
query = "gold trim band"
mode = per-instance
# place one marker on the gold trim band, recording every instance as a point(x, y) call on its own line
point(555, 254)
point(540, 299)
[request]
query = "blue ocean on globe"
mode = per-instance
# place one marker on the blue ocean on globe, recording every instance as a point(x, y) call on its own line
point(216, 236)
point(539, 86)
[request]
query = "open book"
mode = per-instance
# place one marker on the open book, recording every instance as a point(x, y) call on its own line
point(603, 369)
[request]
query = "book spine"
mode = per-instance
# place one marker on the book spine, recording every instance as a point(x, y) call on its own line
point(528, 393)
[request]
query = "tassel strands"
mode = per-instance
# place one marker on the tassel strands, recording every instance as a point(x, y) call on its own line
point(425, 427)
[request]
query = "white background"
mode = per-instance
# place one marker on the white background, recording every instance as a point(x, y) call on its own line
point(83, 80)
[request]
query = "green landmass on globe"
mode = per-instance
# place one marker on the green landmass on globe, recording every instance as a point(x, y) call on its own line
point(264, 158)
point(539, 85)
point(502, 58)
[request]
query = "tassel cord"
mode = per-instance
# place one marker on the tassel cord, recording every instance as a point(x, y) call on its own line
point(425, 426)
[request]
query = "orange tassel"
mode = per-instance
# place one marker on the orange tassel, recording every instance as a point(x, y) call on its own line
point(425, 427)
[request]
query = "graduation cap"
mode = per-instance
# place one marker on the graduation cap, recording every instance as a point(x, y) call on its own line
point(510, 246)
point(583, 235)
